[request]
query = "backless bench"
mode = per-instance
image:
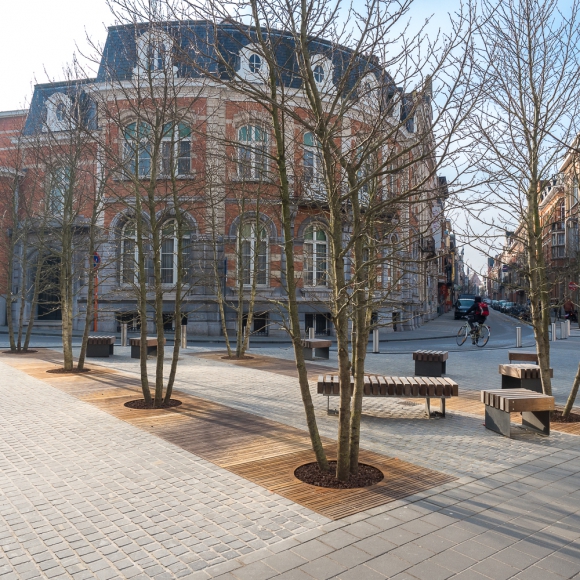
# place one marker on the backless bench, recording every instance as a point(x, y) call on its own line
point(430, 363)
point(400, 387)
point(100, 346)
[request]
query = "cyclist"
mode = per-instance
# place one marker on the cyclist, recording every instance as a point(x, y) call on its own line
point(477, 313)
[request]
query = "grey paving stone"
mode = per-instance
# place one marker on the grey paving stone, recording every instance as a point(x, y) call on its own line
point(388, 565)
point(284, 561)
point(322, 568)
point(360, 572)
point(428, 570)
point(564, 567)
point(254, 571)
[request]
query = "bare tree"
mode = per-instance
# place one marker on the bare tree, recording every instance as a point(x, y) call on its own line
point(362, 130)
point(529, 75)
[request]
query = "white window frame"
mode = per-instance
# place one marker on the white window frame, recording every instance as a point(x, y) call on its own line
point(315, 263)
point(173, 152)
point(124, 255)
point(248, 257)
point(252, 153)
point(59, 113)
point(138, 146)
point(59, 183)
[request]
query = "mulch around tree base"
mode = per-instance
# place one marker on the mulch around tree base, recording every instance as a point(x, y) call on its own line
point(556, 417)
point(29, 351)
point(311, 473)
point(65, 371)
point(140, 404)
point(233, 357)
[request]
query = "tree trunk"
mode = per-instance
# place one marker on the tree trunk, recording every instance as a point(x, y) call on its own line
point(572, 395)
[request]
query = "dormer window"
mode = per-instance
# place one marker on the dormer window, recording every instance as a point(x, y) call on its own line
point(154, 54)
point(253, 68)
point(322, 70)
point(59, 115)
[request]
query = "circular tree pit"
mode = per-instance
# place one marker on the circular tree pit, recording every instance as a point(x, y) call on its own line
point(140, 404)
point(310, 473)
point(556, 417)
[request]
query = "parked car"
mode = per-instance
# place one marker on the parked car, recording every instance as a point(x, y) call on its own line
point(462, 306)
point(507, 306)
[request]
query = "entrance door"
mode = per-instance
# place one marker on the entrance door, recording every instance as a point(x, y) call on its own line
point(49, 298)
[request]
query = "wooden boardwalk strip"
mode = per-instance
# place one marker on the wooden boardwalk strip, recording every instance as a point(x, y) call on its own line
point(253, 447)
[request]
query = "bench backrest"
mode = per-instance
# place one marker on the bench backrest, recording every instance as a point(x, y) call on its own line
point(316, 343)
point(523, 356)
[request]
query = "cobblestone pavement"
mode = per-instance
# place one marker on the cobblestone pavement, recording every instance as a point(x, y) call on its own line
point(84, 495)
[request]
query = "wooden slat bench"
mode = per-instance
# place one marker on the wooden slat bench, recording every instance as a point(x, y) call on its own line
point(522, 355)
point(316, 348)
point(400, 387)
point(100, 346)
point(430, 363)
point(534, 407)
point(521, 376)
point(152, 343)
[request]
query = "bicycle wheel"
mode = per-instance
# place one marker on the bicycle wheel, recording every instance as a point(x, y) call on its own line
point(484, 334)
point(462, 335)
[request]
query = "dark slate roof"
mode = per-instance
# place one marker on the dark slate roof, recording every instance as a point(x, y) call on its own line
point(195, 50)
point(75, 90)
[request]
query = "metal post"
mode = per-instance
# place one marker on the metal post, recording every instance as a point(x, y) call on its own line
point(124, 334)
point(376, 347)
point(518, 337)
point(568, 328)
point(563, 330)
point(184, 336)
point(553, 327)
point(311, 333)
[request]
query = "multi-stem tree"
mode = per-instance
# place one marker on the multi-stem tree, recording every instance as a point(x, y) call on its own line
point(360, 125)
point(148, 123)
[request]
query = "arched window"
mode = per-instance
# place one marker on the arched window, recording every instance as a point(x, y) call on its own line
point(318, 74)
point(129, 253)
point(59, 185)
point(254, 253)
point(176, 150)
point(154, 56)
point(312, 160)
point(255, 63)
point(252, 149)
point(315, 256)
point(137, 149)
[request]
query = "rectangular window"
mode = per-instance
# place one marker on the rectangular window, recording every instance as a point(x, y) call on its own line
point(167, 261)
point(184, 158)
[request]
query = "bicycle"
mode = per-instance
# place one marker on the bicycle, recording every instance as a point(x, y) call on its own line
point(480, 333)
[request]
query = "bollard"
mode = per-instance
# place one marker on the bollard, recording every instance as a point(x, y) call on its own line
point(376, 347)
point(518, 337)
point(184, 336)
point(124, 334)
point(563, 330)
point(568, 328)
point(311, 333)
point(553, 328)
